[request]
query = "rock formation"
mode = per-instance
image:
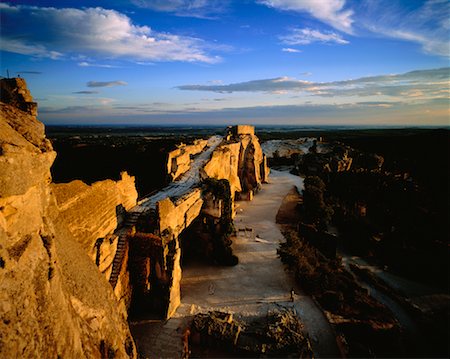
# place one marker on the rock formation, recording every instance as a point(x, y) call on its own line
point(54, 302)
point(237, 168)
point(240, 160)
point(15, 92)
point(179, 160)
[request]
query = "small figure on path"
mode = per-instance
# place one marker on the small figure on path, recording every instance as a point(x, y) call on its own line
point(292, 294)
point(211, 289)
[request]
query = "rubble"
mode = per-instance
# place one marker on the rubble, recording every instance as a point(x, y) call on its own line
point(279, 333)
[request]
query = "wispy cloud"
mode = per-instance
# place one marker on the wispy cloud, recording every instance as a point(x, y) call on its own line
point(307, 36)
point(105, 83)
point(415, 84)
point(89, 64)
point(291, 50)
point(427, 25)
point(265, 85)
point(55, 33)
point(331, 12)
point(86, 92)
point(205, 9)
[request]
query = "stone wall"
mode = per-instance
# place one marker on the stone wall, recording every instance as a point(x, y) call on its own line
point(94, 212)
point(243, 130)
point(53, 300)
point(239, 160)
point(175, 217)
point(179, 160)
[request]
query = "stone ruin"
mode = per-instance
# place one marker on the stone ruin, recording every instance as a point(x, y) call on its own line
point(60, 244)
point(238, 161)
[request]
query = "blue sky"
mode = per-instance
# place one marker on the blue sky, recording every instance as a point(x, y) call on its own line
point(304, 62)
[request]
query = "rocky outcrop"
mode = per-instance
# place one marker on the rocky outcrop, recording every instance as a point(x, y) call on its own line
point(240, 160)
point(284, 148)
point(179, 160)
point(92, 213)
point(95, 216)
point(175, 217)
point(54, 302)
point(15, 92)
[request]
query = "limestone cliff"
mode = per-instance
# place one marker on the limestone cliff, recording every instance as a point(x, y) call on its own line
point(240, 160)
point(54, 302)
point(92, 213)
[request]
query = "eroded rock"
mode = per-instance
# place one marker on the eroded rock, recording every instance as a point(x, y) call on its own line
point(53, 300)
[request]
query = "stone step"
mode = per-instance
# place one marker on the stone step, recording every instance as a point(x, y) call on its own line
point(117, 262)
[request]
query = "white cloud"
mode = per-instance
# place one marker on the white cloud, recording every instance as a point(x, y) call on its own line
point(308, 36)
point(331, 12)
point(427, 25)
point(89, 64)
point(94, 32)
point(420, 84)
point(36, 50)
point(265, 85)
point(291, 50)
point(191, 8)
point(105, 83)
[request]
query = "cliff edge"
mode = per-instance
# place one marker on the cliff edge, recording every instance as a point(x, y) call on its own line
point(54, 302)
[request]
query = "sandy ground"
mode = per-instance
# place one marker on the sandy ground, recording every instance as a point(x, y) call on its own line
point(259, 282)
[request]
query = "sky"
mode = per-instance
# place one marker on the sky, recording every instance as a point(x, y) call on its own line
point(213, 62)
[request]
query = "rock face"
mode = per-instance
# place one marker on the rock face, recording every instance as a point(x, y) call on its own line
point(93, 213)
point(54, 302)
point(15, 92)
point(240, 160)
point(179, 160)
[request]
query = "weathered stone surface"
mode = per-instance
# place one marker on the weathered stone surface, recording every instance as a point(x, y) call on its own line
point(15, 92)
point(26, 156)
point(177, 216)
point(243, 130)
point(175, 280)
point(179, 160)
point(53, 300)
point(239, 160)
point(224, 164)
point(93, 212)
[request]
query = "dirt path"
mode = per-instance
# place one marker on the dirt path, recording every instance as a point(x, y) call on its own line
point(258, 283)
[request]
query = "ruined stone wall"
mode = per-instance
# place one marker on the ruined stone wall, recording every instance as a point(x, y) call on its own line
point(224, 164)
point(240, 160)
point(179, 160)
point(93, 212)
point(175, 217)
point(53, 300)
point(243, 130)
